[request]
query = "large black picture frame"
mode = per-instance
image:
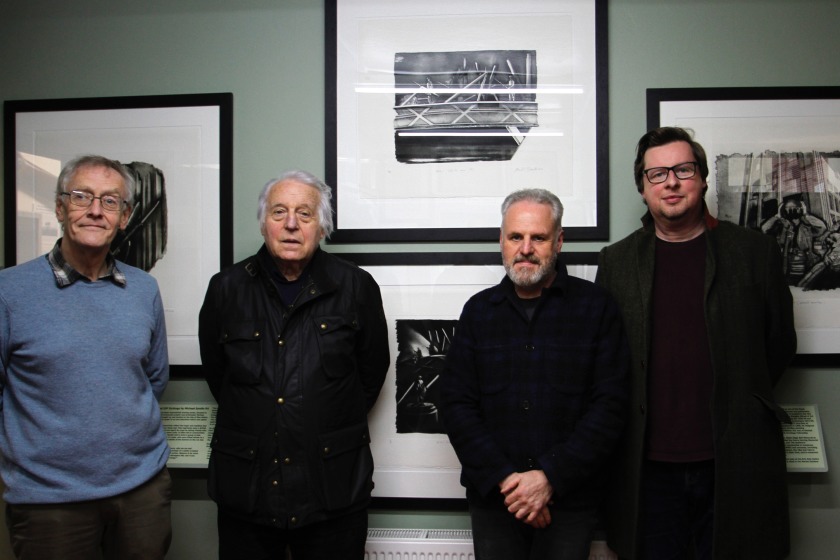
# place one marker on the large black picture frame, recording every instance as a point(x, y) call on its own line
point(434, 212)
point(189, 137)
point(418, 469)
point(746, 120)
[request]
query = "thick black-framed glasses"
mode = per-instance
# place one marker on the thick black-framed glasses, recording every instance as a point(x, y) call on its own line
point(82, 199)
point(685, 170)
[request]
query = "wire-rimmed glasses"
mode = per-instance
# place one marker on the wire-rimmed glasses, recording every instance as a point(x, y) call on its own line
point(82, 199)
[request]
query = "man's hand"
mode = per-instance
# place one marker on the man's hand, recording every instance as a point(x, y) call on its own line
point(527, 496)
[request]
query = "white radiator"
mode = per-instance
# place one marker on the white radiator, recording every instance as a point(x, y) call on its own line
point(438, 544)
point(419, 544)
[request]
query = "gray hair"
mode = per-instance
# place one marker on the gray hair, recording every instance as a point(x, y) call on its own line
point(73, 166)
point(325, 214)
point(539, 196)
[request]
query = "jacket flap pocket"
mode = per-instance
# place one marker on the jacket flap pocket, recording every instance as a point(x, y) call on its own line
point(234, 443)
point(343, 440)
point(241, 331)
point(327, 324)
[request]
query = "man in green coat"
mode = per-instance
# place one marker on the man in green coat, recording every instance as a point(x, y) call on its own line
point(709, 317)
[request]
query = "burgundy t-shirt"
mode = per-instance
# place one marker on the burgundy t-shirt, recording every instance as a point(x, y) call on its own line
point(680, 378)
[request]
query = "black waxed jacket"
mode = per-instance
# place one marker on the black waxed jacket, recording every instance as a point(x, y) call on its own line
point(294, 385)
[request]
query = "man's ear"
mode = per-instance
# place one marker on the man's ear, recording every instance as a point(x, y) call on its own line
point(124, 216)
point(60, 211)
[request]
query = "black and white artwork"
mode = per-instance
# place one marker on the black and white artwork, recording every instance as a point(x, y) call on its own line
point(463, 105)
point(422, 345)
point(774, 166)
point(411, 451)
point(143, 242)
point(178, 149)
point(793, 197)
point(438, 110)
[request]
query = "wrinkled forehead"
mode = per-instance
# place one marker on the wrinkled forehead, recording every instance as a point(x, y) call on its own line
point(292, 193)
point(87, 176)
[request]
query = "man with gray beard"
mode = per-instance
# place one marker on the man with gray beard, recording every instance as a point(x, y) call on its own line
point(534, 394)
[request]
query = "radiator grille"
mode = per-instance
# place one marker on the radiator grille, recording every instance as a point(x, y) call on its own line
point(438, 544)
point(419, 544)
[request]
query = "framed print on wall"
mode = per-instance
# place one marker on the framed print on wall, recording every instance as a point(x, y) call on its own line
point(413, 458)
point(774, 166)
point(179, 148)
point(435, 111)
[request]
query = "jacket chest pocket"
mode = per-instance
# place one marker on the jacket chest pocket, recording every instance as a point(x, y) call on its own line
point(243, 349)
point(336, 335)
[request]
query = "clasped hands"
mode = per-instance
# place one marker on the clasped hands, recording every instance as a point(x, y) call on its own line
point(527, 497)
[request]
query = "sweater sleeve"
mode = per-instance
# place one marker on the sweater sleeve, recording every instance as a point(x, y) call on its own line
point(4, 348)
point(157, 366)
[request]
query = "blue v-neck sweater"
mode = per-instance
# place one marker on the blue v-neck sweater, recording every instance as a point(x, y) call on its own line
point(81, 371)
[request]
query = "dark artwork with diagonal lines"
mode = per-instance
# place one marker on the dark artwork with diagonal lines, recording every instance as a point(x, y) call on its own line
point(463, 105)
point(143, 243)
point(422, 345)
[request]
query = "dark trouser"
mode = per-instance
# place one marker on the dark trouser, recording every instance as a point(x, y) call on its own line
point(135, 525)
point(341, 538)
point(498, 535)
point(678, 510)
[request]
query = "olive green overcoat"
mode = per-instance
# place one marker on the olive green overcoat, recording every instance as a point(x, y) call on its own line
point(749, 317)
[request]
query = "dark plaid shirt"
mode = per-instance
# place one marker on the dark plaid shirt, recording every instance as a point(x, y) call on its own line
point(549, 393)
point(65, 274)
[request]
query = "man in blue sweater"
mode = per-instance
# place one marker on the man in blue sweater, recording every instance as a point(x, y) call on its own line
point(83, 363)
point(534, 394)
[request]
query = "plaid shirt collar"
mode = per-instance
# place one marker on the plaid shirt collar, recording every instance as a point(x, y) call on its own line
point(66, 274)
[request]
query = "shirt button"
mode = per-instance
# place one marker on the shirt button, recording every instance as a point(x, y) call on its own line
point(526, 405)
point(281, 342)
point(274, 483)
point(323, 326)
point(287, 461)
point(293, 520)
point(281, 400)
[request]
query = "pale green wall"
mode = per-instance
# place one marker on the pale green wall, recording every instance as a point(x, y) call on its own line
point(269, 53)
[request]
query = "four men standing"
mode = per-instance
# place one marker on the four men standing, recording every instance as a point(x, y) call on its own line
point(294, 347)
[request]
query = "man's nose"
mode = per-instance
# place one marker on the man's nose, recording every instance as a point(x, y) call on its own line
point(95, 207)
point(671, 180)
